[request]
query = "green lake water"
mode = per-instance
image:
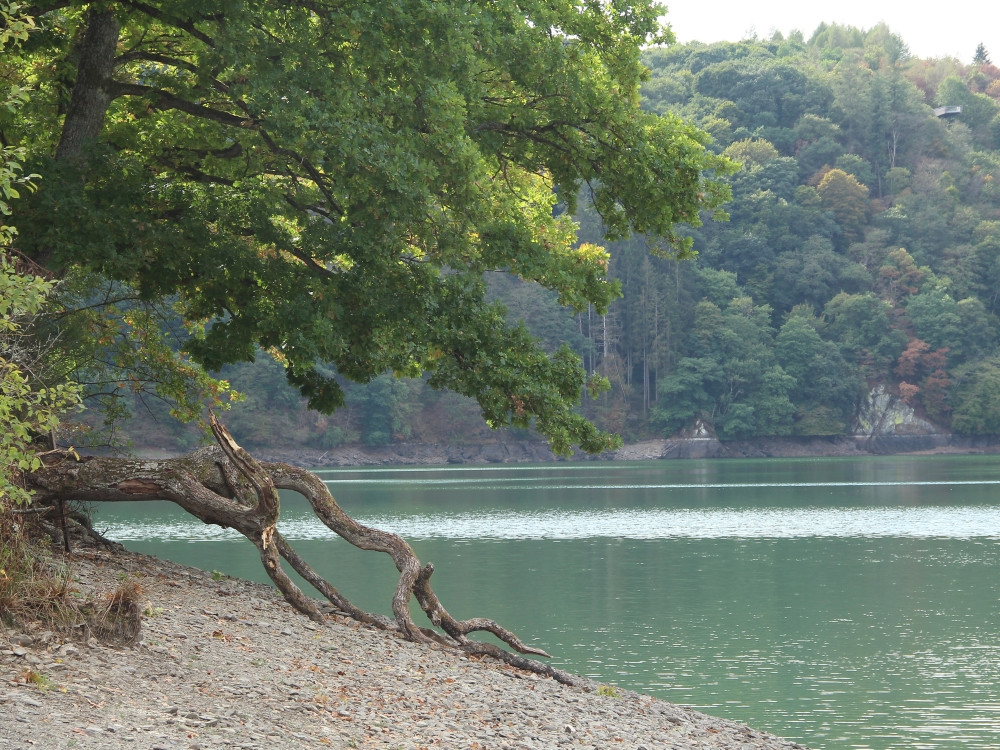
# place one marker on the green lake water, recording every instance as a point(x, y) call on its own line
point(842, 603)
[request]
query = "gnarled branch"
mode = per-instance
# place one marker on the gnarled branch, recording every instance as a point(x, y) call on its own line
point(225, 485)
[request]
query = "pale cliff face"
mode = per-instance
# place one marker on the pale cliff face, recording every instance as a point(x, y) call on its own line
point(885, 414)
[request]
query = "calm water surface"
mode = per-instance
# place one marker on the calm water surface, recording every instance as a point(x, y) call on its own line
point(843, 603)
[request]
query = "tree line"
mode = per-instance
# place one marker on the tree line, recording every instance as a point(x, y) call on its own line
point(862, 248)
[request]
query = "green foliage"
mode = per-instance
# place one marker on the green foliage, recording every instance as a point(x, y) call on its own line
point(847, 199)
point(125, 352)
point(826, 388)
point(333, 438)
point(935, 318)
point(735, 383)
point(859, 324)
point(813, 273)
point(31, 401)
point(978, 110)
point(767, 92)
point(492, 174)
point(30, 405)
point(857, 168)
point(385, 409)
point(976, 398)
point(331, 183)
point(828, 257)
point(688, 394)
point(14, 29)
point(751, 153)
point(609, 691)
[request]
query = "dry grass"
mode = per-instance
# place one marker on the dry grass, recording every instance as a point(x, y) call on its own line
point(34, 588)
point(117, 618)
point(37, 589)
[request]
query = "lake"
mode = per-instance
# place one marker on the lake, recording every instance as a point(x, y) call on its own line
point(843, 603)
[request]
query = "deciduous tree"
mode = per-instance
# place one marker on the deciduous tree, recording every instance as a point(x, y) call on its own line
point(847, 200)
point(329, 182)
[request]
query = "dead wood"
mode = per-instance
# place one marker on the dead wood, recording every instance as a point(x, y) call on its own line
point(224, 485)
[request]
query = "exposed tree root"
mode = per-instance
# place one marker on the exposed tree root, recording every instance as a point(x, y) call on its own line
point(226, 486)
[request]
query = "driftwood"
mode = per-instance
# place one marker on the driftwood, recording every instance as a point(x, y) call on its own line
point(224, 485)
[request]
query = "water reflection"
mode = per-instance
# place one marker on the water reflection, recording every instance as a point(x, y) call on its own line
point(746, 523)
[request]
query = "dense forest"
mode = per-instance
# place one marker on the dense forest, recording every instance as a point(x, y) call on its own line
point(862, 249)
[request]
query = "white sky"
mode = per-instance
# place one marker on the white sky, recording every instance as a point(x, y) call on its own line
point(950, 29)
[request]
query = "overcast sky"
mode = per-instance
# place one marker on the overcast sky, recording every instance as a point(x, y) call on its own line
point(951, 29)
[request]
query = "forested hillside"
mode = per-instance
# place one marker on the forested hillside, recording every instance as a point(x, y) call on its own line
point(862, 249)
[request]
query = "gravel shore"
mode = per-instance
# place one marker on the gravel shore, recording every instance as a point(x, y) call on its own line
point(227, 664)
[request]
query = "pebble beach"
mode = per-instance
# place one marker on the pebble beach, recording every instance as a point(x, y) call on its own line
point(226, 663)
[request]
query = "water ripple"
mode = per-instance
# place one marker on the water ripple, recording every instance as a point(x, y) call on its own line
point(644, 524)
point(514, 482)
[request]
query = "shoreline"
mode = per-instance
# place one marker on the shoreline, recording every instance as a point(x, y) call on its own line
point(226, 663)
point(514, 452)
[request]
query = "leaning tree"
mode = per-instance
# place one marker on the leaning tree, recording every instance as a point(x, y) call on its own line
point(328, 181)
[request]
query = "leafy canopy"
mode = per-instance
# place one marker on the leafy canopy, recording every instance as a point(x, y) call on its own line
point(329, 181)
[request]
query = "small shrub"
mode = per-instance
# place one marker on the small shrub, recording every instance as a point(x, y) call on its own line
point(36, 678)
point(377, 438)
point(332, 438)
point(118, 618)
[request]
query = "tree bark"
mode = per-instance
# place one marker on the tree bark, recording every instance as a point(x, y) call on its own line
point(92, 90)
point(224, 485)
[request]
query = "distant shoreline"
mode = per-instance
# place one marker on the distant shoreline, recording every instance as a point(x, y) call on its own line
point(514, 452)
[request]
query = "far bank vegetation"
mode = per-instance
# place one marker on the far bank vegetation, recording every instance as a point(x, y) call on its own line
point(863, 249)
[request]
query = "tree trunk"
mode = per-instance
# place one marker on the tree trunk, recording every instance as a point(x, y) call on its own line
point(92, 90)
point(224, 485)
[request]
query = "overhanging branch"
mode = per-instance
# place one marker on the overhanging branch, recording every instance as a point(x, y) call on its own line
point(161, 99)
